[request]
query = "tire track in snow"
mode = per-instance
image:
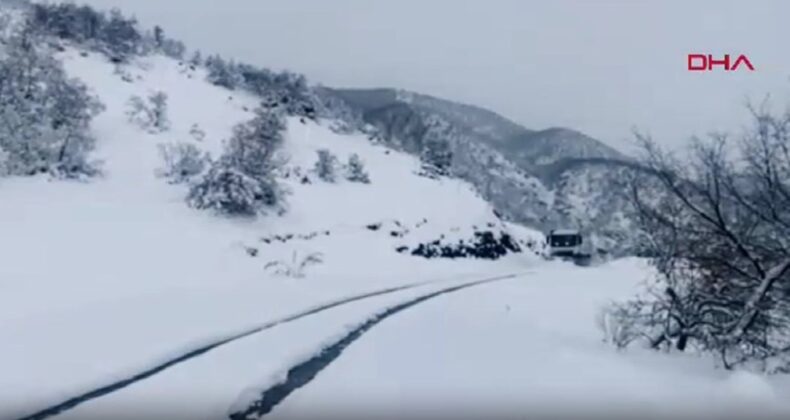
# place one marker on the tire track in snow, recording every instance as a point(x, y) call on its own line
point(303, 373)
point(102, 391)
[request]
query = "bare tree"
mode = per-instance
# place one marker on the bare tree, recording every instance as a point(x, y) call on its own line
point(717, 227)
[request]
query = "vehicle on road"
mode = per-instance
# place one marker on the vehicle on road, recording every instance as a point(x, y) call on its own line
point(568, 244)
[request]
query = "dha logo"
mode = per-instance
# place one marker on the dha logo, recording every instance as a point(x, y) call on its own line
point(702, 62)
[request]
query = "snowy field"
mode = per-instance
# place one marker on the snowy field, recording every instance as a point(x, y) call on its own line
point(102, 280)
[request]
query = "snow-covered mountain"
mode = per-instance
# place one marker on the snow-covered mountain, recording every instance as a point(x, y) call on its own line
point(539, 178)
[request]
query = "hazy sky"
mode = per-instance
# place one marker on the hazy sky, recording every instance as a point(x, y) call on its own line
point(602, 67)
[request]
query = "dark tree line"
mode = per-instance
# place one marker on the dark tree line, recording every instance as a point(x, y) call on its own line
point(717, 226)
point(289, 90)
point(113, 34)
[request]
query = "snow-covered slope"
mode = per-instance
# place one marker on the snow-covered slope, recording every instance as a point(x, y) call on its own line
point(105, 277)
point(516, 169)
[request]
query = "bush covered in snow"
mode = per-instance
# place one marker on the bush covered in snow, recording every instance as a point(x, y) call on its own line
point(149, 114)
point(355, 170)
point(242, 181)
point(183, 161)
point(326, 166)
point(45, 115)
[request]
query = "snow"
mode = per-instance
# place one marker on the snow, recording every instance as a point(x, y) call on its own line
point(504, 349)
point(526, 347)
point(229, 378)
point(103, 279)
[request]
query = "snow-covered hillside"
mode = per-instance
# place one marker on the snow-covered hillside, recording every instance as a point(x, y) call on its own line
point(516, 169)
point(125, 259)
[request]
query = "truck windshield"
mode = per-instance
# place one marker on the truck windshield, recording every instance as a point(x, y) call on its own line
point(565, 240)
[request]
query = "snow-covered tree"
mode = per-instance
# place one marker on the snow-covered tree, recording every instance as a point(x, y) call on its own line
point(355, 170)
point(227, 190)
point(326, 166)
point(68, 21)
point(150, 114)
point(183, 161)
point(716, 225)
point(437, 156)
point(196, 59)
point(45, 115)
point(289, 90)
point(120, 37)
point(242, 181)
point(157, 40)
point(159, 119)
point(137, 111)
point(223, 73)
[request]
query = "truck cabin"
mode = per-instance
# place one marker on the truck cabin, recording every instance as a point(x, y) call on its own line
point(564, 243)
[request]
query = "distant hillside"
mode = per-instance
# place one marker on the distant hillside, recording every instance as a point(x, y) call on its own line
point(544, 178)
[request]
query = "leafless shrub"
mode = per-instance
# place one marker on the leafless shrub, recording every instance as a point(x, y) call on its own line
point(296, 266)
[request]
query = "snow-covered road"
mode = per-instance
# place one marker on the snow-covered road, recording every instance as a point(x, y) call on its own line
point(528, 347)
point(199, 351)
point(501, 346)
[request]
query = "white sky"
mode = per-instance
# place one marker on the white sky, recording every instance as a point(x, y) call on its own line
point(602, 67)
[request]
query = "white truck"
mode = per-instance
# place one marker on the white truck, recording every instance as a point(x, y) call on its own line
point(568, 244)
